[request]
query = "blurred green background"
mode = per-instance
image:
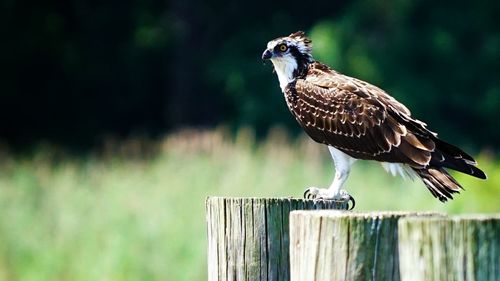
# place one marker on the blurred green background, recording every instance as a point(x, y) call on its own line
point(118, 118)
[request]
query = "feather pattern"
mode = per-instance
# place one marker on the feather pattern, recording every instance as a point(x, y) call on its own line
point(355, 117)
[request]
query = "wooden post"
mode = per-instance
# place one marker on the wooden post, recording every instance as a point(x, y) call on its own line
point(332, 245)
point(454, 249)
point(248, 237)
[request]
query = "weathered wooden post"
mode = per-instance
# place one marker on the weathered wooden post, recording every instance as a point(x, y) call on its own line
point(453, 249)
point(332, 245)
point(248, 238)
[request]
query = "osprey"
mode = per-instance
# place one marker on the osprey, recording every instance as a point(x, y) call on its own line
point(357, 120)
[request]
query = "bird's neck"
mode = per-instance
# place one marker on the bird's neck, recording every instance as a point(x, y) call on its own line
point(288, 70)
point(285, 69)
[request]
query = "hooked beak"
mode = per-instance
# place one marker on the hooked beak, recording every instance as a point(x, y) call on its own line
point(267, 55)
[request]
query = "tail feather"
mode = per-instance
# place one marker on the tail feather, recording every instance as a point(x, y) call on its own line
point(450, 156)
point(441, 184)
point(454, 151)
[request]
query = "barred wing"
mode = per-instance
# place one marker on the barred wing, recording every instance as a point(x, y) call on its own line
point(356, 122)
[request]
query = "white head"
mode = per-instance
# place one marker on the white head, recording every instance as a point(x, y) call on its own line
point(290, 56)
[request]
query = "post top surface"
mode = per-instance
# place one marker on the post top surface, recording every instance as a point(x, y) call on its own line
point(350, 214)
point(406, 215)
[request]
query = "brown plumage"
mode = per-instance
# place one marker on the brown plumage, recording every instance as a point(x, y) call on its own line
point(364, 122)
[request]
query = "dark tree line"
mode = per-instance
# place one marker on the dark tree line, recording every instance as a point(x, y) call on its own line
point(76, 71)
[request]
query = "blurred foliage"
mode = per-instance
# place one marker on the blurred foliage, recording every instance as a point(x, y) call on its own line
point(135, 209)
point(75, 72)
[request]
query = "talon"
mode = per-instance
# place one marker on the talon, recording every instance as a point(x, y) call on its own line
point(311, 193)
point(353, 203)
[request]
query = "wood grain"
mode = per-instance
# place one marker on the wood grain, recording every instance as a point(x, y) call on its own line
point(248, 238)
point(455, 249)
point(333, 245)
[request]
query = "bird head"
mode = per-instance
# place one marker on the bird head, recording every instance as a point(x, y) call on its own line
point(290, 56)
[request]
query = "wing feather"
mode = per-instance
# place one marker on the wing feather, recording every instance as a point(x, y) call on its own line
point(357, 118)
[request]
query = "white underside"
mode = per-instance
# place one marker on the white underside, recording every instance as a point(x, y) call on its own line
point(405, 171)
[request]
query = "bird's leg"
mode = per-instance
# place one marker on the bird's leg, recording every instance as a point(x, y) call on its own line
point(343, 164)
point(334, 192)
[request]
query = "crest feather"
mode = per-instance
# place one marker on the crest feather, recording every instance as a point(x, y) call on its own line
point(301, 37)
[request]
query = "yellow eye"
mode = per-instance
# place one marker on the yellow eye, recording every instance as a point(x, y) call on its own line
point(283, 47)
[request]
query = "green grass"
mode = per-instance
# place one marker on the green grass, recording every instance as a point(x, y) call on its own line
point(121, 215)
